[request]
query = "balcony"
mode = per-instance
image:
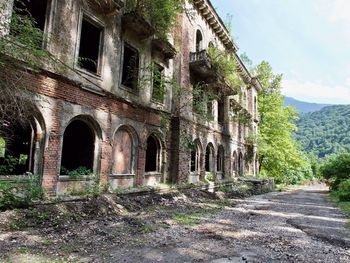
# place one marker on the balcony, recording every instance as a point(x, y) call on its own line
point(163, 47)
point(202, 68)
point(134, 22)
point(106, 7)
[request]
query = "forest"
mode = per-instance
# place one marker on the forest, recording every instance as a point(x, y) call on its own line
point(326, 131)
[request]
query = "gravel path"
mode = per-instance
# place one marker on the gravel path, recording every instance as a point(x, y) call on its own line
point(300, 225)
point(296, 226)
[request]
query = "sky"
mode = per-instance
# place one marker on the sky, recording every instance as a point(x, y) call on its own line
point(308, 41)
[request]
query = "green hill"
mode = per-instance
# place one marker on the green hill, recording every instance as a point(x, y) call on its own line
point(325, 131)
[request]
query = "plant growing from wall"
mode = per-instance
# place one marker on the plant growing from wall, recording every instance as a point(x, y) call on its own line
point(225, 66)
point(161, 13)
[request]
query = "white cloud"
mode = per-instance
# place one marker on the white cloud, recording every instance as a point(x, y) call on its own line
point(317, 92)
point(335, 10)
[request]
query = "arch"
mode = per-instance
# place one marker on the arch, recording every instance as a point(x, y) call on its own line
point(234, 163)
point(125, 144)
point(22, 143)
point(78, 147)
point(246, 163)
point(221, 159)
point(209, 158)
point(153, 154)
point(196, 153)
point(199, 41)
point(240, 164)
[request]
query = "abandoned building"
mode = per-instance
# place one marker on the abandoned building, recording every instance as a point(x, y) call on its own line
point(109, 115)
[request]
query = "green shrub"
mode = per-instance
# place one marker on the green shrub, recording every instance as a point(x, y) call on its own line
point(20, 193)
point(8, 165)
point(80, 171)
point(344, 190)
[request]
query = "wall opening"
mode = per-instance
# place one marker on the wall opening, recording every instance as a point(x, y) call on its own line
point(240, 165)
point(195, 159)
point(152, 155)
point(17, 148)
point(90, 46)
point(78, 147)
point(158, 83)
point(209, 158)
point(130, 67)
point(123, 155)
point(199, 41)
point(221, 111)
point(36, 9)
point(221, 159)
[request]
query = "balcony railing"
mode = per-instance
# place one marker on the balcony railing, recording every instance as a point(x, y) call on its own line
point(201, 66)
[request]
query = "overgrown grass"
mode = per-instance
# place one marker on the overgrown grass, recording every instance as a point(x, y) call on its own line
point(344, 205)
point(192, 219)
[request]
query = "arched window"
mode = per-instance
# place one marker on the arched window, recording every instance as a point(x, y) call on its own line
point(195, 158)
point(209, 158)
point(211, 45)
point(152, 155)
point(221, 159)
point(123, 153)
point(199, 41)
point(78, 147)
point(255, 106)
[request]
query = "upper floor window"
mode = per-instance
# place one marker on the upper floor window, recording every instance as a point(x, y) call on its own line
point(221, 111)
point(199, 41)
point(158, 83)
point(36, 9)
point(90, 46)
point(130, 67)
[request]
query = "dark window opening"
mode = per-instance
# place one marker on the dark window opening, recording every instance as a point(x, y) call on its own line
point(221, 111)
point(90, 45)
point(130, 67)
point(211, 45)
point(210, 109)
point(209, 159)
point(16, 148)
point(221, 160)
point(152, 155)
point(199, 40)
point(158, 83)
point(240, 165)
point(193, 160)
point(78, 147)
point(36, 9)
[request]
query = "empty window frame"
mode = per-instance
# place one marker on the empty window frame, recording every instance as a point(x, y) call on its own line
point(158, 83)
point(152, 155)
point(35, 9)
point(221, 159)
point(195, 159)
point(90, 46)
point(130, 74)
point(221, 111)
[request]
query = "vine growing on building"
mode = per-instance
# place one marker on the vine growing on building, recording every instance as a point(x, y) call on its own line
point(161, 14)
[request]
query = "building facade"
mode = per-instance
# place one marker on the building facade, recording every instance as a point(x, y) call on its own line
point(111, 112)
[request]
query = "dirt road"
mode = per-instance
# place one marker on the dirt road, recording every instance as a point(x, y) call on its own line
point(295, 226)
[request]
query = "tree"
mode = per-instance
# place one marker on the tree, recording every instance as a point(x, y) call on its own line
point(279, 155)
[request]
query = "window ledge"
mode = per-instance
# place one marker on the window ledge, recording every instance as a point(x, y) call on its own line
point(96, 76)
point(67, 178)
point(121, 176)
point(153, 174)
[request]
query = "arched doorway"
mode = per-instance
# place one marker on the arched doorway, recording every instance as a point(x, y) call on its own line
point(221, 160)
point(199, 41)
point(78, 149)
point(209, 158)
point(240, 165)
point(153, 155)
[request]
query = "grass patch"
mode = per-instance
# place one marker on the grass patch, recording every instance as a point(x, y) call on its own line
point(191, 219)
point(344, 205)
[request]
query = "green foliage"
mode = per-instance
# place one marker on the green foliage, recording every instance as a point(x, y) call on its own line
point(210, 177)
point(336, 168)
point(8, 165)
point(80, 171)
point(326, 131)
point(20, 193)
point(225, 65)
point(161, 13)
point(2, 148)
point(279, 156)
point(344, 190)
